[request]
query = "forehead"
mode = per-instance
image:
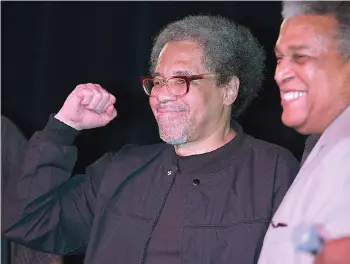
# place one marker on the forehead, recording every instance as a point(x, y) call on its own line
point(180, 54)
point(310, 32)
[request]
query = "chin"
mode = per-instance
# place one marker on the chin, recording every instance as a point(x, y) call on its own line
point(172, 138)
point(299, 127)
point(174, 134)
point(173, 141)
point(296, 122)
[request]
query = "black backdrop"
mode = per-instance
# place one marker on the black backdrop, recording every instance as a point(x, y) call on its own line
point(50, 47)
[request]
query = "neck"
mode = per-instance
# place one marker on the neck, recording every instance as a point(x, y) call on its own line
point(328, 119)
point(211, 142)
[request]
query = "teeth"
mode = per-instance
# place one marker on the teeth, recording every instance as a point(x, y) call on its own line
point(292, 95)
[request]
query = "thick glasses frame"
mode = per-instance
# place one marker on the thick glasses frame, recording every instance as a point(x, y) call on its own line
point(163, 81)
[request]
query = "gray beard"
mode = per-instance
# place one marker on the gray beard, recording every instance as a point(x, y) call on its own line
point(181, 136)
point(173, 140)
point(174, 131)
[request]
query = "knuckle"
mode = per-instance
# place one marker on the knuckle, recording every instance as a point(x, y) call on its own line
point(79, 87)
point(88, 92)
point(104, 92)
point(98, 95)
point(98, 87)
point(106, 96)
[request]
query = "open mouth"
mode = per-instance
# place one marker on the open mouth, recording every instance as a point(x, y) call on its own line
point(292, 95)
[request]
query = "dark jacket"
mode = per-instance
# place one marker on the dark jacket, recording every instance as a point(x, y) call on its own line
point(12, 143)
point(110, 212)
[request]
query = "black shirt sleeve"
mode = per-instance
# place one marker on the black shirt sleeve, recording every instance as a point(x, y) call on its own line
point(47, 209)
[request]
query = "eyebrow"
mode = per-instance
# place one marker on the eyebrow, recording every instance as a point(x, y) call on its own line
point(294, 48)
point(177, 73)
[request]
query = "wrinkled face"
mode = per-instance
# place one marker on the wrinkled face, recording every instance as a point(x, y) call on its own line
point(187, 118)
point(312, 75)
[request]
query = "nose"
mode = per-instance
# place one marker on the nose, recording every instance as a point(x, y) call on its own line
point(164, 94)
point(284, 71)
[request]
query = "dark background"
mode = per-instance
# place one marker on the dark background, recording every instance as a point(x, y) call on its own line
point(47, 48)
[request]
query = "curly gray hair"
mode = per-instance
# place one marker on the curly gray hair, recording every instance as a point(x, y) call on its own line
point(229, 49)
point(339, 10)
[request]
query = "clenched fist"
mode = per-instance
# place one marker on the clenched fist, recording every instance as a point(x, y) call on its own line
point(88, 106)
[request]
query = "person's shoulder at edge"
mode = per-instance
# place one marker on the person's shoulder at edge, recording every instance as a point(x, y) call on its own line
point(267, 149)
point(8, 125)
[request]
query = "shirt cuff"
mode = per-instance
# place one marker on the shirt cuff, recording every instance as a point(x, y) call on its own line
point(60, 132)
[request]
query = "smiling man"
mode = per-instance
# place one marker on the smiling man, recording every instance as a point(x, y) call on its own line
point(313, 74)
point(204, 196)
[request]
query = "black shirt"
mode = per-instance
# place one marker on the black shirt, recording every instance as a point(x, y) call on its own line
point(165, 244)
point(111, 212)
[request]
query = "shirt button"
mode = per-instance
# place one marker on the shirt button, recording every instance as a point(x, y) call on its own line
point(196, 182)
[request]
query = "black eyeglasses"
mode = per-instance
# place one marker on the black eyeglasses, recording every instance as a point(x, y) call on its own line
point(176, 85)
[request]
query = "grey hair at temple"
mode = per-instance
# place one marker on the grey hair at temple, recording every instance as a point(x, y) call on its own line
point(339, 10)
point(229, 49)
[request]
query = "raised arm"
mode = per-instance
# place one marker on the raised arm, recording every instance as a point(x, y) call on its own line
point(47, 208)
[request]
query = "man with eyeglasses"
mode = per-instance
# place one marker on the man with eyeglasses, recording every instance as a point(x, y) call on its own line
point(204, 196)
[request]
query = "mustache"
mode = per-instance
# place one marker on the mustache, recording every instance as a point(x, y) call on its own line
point(171, 107)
